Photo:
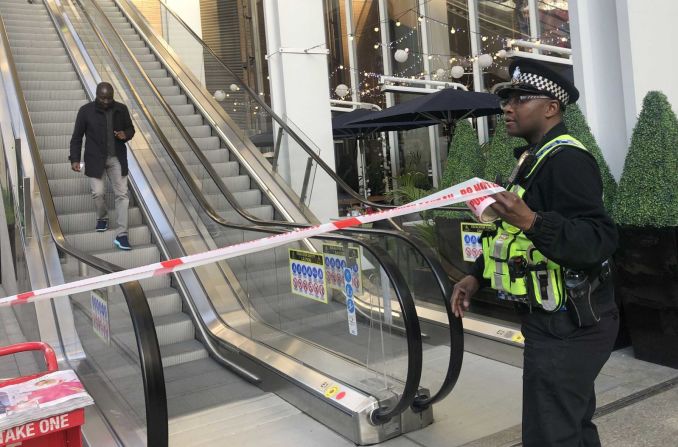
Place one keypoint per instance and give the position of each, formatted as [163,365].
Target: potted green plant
[578,127]
[499,158]
[464,161]
[646,209]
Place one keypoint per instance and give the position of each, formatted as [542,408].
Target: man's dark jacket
[576,231]
[91,122]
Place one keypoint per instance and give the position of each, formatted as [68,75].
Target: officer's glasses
[519,99]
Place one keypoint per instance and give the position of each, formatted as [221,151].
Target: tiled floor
[483,411]
[622,376]
[10,333]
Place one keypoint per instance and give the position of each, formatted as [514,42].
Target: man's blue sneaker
[102,225]
[122,242]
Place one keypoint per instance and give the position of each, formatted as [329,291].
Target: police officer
[550,255]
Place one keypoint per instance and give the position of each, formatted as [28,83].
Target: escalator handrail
[140,313]
[402,291]
[442,280]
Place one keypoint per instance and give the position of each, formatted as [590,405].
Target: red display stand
[54,431]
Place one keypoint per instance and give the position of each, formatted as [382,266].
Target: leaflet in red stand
[52,394]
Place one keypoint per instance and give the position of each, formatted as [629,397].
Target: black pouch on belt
[580,305]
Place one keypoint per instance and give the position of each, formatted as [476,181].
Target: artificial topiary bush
[499,158]
[464,160]
[648,190]
[576,124]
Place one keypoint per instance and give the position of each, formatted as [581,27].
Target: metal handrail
[455,324]
[140,313]
[403,294]
[281,122]
[441,277]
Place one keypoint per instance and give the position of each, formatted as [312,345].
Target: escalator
[172,302]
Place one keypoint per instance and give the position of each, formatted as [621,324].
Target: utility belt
[579,288]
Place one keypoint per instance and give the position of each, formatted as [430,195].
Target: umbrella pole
[363,168]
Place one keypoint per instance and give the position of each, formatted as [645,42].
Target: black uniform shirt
[110,136]
[575,230]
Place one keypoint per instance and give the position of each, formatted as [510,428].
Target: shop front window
[460,42]
[337,42]
[554,23]
[499,21]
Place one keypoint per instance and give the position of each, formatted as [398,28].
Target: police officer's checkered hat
[533,77]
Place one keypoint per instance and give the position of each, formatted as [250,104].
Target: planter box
[647,265]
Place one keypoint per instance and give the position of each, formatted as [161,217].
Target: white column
[621,50]
[598,74]
[352,56]
[647,46]
[390,98]
[435,40]
[300,93]
[535,30]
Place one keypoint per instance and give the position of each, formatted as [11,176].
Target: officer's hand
[462,294]
[513,209]
[120,134]
[75,165]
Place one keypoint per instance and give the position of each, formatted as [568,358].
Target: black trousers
[561,362]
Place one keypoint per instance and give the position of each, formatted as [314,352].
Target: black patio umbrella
[443,107]
[350,124]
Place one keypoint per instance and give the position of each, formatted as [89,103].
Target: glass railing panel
[111,370]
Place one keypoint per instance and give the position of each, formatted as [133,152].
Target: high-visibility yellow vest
[542,284]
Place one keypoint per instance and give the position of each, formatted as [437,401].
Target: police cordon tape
[462,192]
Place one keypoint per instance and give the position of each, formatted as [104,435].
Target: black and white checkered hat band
[543,84]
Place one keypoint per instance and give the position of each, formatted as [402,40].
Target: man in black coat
[561,214]
[107,126]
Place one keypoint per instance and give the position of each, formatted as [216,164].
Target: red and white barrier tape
[462,192]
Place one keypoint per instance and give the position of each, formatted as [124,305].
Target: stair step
[93,241]
[174,328]
[138,256]
[235,184]
[36,51]
[186,109]
[164,301]
[55,106]
[54,117]
[47,76]
[86,221]
[71,95]
[42,60]
[54,129]
[228,169]
[199,131]
[191,120]
[48,85]
[82,203]
[170,90]
[23,67]
[178,353]
[210,144]
[25,42]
